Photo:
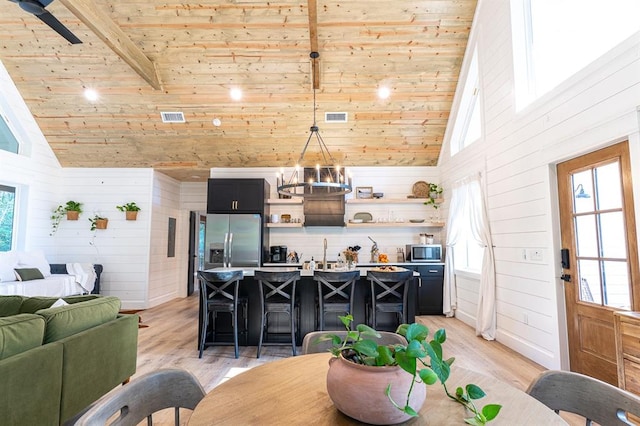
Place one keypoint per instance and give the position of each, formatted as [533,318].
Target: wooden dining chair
[311,345]
[593,399]
[148,394]
[335,293]
[219,293]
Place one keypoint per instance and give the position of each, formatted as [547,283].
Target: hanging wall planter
[98,222]
[73,209]
[131,210]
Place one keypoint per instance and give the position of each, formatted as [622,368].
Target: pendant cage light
[328,179]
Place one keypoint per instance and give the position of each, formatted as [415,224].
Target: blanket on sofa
[84,274]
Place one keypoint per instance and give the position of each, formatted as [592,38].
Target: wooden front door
[599,233]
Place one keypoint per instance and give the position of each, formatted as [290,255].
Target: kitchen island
[306,297]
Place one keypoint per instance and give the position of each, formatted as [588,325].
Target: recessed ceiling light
[217,122]
[91,95]
[236,94]
[384,92]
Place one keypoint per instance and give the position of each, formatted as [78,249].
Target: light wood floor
[170,341]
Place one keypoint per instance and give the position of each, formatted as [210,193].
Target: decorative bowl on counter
[378,194]
[416,220]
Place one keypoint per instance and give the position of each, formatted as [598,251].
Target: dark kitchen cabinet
[237,195]
[430,290]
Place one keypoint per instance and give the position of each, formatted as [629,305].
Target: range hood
[322,211]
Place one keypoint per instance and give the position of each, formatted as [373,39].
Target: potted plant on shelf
[98,222]
[131,210]
[393,375]
[435,191]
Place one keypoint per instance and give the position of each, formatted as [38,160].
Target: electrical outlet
[535,255]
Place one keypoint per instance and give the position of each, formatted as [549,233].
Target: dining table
[293,391]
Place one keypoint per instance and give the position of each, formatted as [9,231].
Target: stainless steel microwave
[424,252]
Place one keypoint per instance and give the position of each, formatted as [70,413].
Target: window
[467,127]
[552,40]
[468,253]
[7,214]
[8,141]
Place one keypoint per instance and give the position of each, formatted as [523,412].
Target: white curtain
[468,215]
[454,231]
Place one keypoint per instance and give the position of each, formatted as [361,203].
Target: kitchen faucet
[324,256]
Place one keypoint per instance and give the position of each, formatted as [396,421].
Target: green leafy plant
[434,189]
[60,211]
[129,207]
[94,221]
[73,206]
[57,215]
[420,357]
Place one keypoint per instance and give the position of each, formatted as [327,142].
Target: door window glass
[601,236]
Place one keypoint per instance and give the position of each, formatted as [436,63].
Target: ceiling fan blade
[57,26]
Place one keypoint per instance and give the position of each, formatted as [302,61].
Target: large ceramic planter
[359,391]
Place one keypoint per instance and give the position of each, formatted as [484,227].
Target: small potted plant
[435,191]
[73,209]
[98,222]
[420,361]
[131,210]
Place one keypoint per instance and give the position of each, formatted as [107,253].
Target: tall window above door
[8,140]
[552,40]
[468,125]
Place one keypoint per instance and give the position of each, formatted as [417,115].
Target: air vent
[172,117]
[335,117]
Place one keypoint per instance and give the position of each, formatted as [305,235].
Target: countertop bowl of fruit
[383,258]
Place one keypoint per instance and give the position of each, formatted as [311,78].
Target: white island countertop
[249,272]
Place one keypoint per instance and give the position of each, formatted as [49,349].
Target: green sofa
[55,362]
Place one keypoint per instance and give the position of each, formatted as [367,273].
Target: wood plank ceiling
[200,51]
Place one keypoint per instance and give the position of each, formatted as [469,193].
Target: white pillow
[58,303]
[34,259]
[8,261]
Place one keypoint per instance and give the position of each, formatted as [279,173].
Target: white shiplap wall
[122,248]
[167,275]
[36,172]
[394,182]
[517,158]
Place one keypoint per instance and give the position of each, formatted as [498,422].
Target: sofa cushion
[32,304]
[34,259]
[19,333]
[8,261]
[31,386]
[10,305]
[76,317]
[28,274]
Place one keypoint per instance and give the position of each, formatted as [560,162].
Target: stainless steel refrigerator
[233,240]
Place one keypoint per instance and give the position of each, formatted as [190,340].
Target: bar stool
[277,294]
[335,292]
[219,293]
[388,294]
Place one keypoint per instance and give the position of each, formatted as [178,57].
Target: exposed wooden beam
[109,32]
[313,38]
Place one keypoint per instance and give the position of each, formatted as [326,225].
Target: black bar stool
[335,292]
[277,294]
[388,294]
[219,293]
